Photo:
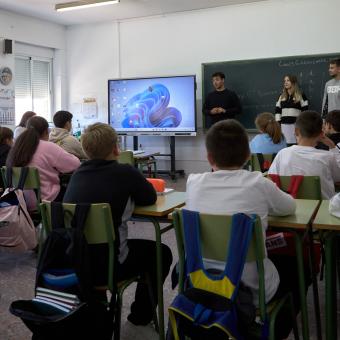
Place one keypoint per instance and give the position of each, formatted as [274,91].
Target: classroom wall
[37,33]
[179,43]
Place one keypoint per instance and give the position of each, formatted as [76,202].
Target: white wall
[180,43]
[37,33]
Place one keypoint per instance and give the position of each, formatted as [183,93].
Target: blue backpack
[206,309]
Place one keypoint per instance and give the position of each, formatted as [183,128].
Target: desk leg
[158,234]
[302,290]
[312,264]
[331,300]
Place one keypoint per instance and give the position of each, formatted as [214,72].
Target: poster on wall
[89,108]
[7,97]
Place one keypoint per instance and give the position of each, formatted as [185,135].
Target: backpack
[207,307]
[65,306]
[17,231]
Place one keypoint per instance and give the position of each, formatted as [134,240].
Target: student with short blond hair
[102,179]
[271,139]
[99,140]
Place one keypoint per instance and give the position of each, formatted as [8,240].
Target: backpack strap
[265,164]
[260,158]
[9,174]
[57,215]
[22,178]
[241,235]
[80,215]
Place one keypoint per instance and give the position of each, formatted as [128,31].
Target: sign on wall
[7,97]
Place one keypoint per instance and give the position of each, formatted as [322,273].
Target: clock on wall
[5,75]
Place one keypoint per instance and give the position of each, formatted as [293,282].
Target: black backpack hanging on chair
[65,306]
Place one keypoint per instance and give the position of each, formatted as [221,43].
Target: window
[32,87]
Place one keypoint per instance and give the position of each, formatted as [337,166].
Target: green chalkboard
[258,83]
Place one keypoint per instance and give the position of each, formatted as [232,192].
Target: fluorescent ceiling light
[69,6]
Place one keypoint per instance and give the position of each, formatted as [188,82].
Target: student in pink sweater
[33,149]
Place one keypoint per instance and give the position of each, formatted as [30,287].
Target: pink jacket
[50,159]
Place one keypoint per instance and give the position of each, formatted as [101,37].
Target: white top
[18,131]
[308,161]
[334,205]
[229,192]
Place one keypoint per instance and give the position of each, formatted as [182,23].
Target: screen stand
[173,171]
[135,142]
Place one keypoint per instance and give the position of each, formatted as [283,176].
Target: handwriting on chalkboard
[297,62]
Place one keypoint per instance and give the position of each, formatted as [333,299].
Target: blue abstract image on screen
[149,109]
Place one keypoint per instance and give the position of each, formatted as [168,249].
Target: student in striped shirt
[290,104]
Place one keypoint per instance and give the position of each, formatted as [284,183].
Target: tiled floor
[17,274]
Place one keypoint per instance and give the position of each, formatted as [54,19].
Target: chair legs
[287,299]
[119,304]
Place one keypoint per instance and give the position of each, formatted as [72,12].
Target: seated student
[33,149]
[271,139]
[230,189]
[304,159]
[331,128]
[22,125]
[6,142]
[103,179]
[61,134]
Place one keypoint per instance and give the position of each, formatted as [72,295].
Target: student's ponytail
[266,123]
[23,149]
[27,143]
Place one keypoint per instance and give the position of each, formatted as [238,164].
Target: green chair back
[215,235]
[98,228]
[310,187]
[254,161]
[32,180]
[126,157]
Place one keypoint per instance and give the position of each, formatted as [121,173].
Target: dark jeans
[141,260]
[287,268]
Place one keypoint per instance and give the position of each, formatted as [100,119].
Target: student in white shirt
[334,205]
[305,159]
[230,189]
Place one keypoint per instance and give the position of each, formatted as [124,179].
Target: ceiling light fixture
[69,6]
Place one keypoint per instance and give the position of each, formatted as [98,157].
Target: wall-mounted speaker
[8,46]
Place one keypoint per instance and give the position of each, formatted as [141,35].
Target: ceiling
[126,9]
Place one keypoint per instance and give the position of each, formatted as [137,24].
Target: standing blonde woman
[290,104]
[270,140]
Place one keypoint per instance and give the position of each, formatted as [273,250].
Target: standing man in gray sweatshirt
[331,97]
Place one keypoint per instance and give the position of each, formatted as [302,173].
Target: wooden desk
[164,205]
[157,213]
[305,209]
[301,221]
[145,155]
[329,226]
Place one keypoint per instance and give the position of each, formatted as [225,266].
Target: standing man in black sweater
[222,103]
[103,180]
